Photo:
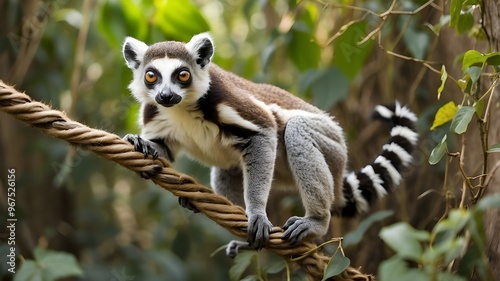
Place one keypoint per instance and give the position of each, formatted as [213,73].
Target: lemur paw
[259,228]
[142,145]
[234,247]
[145,147]
[186,203]
[299,228]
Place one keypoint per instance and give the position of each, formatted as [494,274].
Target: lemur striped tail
[384,174]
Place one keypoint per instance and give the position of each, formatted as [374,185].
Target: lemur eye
[184,76]
[150,77]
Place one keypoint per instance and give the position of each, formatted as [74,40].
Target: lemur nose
[168,99]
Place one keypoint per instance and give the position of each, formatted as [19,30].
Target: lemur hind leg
[306,142]
[230,184]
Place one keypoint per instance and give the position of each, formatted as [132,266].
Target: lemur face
[169,73]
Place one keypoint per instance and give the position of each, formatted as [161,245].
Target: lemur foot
[299,228]
[144,146]
[186,203]
[259,228]
[235,246]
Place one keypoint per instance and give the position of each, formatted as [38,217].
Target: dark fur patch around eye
[175,75]
[158,78]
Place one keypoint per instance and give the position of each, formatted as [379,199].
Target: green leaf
[467,264]
[493,59]
[438,152]
[417,42]
[337,264]
[479,105]
[307,79]
[355,237]
[444,76]
[447,229]
[472,57]
[251,278]
[462,119]
[475,262]
[462,83]
[120,18]
[304,53]
[392,269]
[29,271]
[475,225]
[465,23]
[396,269]
[241,263]
[444,114]
[329,88]
[462,20]
[489,202]
[455,10]
[453,249]
[277,267]
[301,46]
[48,266]
[179,19]
[404,240]
[474,72]
[57,265]
[494,148]
[349,56]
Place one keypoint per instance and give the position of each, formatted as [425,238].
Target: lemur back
[256,137]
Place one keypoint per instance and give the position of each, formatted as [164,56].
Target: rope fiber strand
[110,146]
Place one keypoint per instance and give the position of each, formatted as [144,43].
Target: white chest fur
[190,132]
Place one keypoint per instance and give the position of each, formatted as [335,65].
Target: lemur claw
[186,203]
[299,228]
[259,228]
[142,145]
[293,230]
[234,247]
[146,148]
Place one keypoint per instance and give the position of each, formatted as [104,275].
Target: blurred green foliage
[121,227]
[443,247]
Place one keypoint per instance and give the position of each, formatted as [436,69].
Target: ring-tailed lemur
[256,136]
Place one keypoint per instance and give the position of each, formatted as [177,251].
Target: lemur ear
[202,47]
[133,52]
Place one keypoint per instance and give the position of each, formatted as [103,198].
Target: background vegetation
[82,218]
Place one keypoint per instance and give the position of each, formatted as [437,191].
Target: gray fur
[258,170]
[234,247]
[228,182]
[317,162]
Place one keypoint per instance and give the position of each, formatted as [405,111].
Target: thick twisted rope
[218,208]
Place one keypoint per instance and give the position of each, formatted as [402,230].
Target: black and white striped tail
[383,175]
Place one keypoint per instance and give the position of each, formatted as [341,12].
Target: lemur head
[169,73]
